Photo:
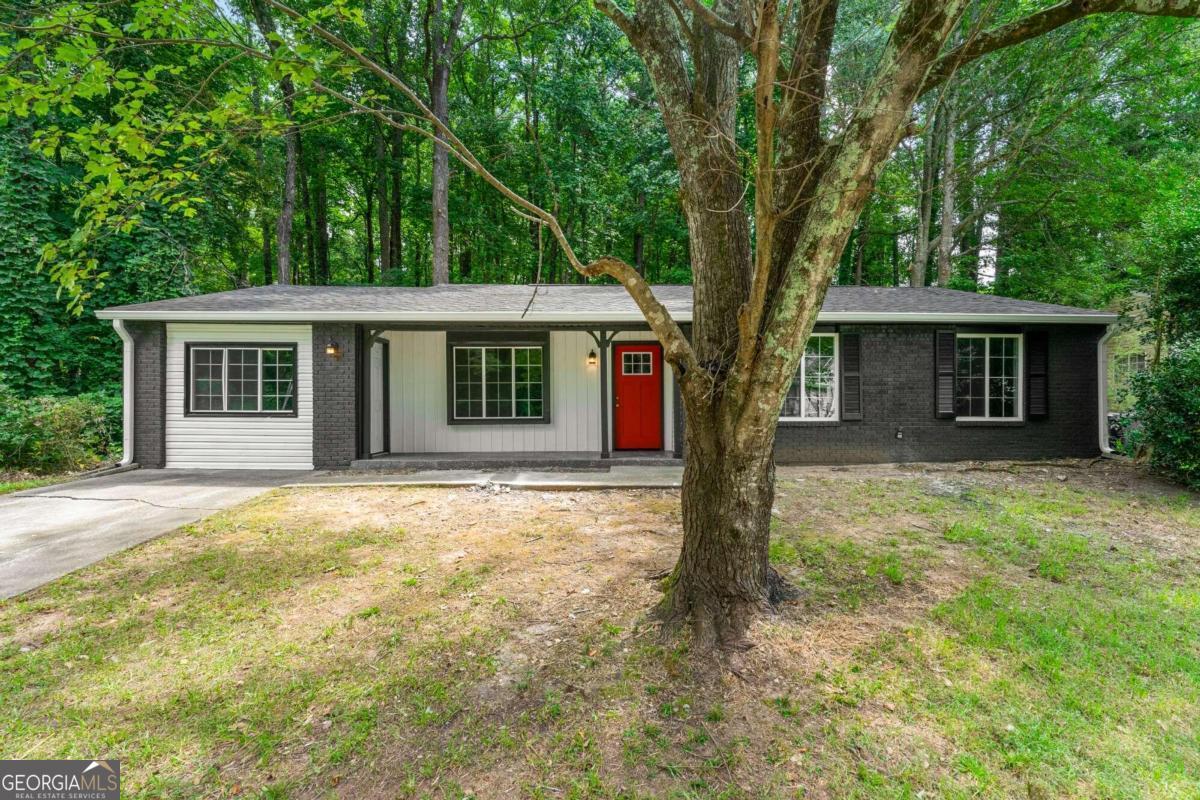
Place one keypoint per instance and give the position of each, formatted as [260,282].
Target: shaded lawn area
[961,633]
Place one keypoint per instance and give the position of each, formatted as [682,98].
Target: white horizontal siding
[217,442]
[418,402]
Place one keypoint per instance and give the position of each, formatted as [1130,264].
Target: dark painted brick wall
[898,392]
[335,382]
[149,393]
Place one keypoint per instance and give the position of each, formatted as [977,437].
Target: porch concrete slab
[640,477]
[50,531]
[551,461]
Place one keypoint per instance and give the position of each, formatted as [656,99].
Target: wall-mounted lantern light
[592,358]
[332,349]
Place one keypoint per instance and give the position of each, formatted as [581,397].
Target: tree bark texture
[721,580]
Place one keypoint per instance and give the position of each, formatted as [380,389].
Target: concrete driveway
[48,532]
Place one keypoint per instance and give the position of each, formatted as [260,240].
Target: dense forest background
[1064,170]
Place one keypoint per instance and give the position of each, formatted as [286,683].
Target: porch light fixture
[332,349]
[592,358]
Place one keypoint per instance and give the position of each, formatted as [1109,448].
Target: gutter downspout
[1102,384]
[126,394]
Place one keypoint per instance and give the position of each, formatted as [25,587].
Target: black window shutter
[851,351]
[944,359]
[1037,367]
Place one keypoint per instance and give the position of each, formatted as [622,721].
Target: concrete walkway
[48,532]
[612,478]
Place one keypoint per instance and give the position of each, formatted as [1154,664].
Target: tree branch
[619,18]
[676,348]
[766,52]
[714,21]
[847,173]
[1043,22]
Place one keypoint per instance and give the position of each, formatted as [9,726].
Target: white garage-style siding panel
[220,442]
[418,401]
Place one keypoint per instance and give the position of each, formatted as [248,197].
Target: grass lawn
[1031,633]
[10,483]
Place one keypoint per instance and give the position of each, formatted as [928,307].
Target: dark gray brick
[335,384]
[898,394]
[149,393]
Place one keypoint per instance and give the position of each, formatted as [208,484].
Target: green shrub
[57,434]
[1168,413]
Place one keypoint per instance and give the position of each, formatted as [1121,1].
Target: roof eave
[366,316]
[972,318]
[1097,318]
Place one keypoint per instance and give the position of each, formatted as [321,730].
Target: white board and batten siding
[242,442]
[418,405]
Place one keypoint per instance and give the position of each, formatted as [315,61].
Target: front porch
[501,397]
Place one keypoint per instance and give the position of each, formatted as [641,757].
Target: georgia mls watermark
[60,780]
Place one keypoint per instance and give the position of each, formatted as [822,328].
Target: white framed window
[637,363]
[505,382]
[987,376]
[241,379]
[814,391]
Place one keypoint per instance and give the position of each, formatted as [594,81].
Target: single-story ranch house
[304,377]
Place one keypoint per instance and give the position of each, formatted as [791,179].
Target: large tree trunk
[723,577]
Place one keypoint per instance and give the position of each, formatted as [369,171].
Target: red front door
[637,397]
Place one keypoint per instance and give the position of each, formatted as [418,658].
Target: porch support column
[603,339]
[362,353]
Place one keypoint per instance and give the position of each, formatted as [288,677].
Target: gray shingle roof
[565,303]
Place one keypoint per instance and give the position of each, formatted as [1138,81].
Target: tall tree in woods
[291,139]
[441,38]
[781,118]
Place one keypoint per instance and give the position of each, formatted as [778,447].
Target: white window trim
[483,382]
[987,375]
[649,363]
[224,409]
[837,380]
